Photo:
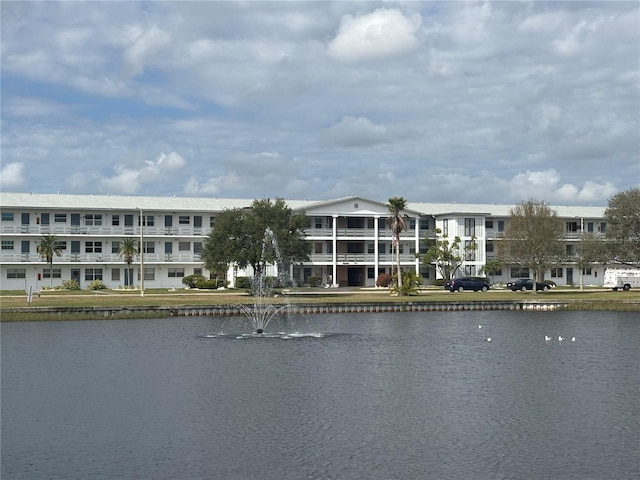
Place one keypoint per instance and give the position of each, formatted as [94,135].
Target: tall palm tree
[47,247]
[397,223]
[128,249]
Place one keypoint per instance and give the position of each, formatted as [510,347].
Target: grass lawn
[154,297]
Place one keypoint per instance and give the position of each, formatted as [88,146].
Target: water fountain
[263,309]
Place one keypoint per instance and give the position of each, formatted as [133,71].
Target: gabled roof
[352,206]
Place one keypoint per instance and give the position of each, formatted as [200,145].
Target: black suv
[467,283]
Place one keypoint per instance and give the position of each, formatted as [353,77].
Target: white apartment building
[351,243]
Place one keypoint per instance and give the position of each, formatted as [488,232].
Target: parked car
[467,283]
[527,284]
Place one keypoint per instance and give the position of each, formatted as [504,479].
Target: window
[590,227]
[147,220]
[91,274]
[115,220]
[488,224]
[197,271]
[93,247]
[329,247]
[46,273]
[469,227]
[184,246]
[44,219]
[175,272]
[75,246]
[318,247]
[603,227]
[501,225]
[7,216]
[519,272]
[572,227]
[489,247]
[370,222]
[7,244]
[371,272]
[149,273]
[93,219]
[470,270]
[556,273]
[382,248]
[149,247]
[115,274]
[184,220]
[197,221]
[197,247]
[586,271]
[60,218]
[16,272]
[61,244]
[570,250]
[445,227]
[424,224]
[115,246]
[469,254]
[370,248]
[212,221]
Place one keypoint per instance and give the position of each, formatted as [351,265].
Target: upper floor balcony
[67,257]
[104,230]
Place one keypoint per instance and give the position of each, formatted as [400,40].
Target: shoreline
[19,314]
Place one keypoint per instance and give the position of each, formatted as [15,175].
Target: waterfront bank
[310,308]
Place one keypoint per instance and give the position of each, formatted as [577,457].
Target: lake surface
[357,396]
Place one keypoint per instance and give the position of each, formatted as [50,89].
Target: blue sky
[470,102]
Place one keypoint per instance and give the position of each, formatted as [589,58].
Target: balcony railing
[6,257]
[104,230]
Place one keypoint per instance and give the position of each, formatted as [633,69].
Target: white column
[376,250]
[334,260]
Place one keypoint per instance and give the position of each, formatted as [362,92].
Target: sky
[468,102]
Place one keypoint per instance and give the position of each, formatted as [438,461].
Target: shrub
[96,285]
[314,281]
[243,282]
[439,282]
[208,284]
[383,280]
[70,285]
[193,281]
[411,281]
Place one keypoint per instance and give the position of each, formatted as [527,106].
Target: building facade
[351,243]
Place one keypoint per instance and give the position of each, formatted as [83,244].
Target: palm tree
[47,247]
[128,249]
[397,223]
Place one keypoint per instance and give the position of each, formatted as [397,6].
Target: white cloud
[381,34]
[12,176]
[129,180]
[144,47]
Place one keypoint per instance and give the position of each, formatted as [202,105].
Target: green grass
[589,299]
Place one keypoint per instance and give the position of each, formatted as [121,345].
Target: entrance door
[75,275]
[355,276]
[569,276]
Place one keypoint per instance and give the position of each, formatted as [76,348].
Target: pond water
[358,396]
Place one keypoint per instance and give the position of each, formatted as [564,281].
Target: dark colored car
[527,284]
[467,283]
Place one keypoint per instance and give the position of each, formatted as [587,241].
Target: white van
[624,278]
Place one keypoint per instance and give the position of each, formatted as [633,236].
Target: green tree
[128,249]
[623,227]
[491,268]
[397,222]
[533,238]
[264,234]
[447,255]
[47,248]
